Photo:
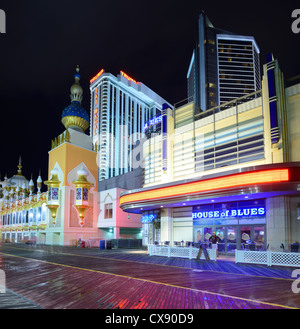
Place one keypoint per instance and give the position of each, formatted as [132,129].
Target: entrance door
[207,232]
[259,237]
[220,232]
[231,239]
[246,237]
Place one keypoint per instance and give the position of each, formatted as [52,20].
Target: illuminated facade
[75,207]
[120,106]
[224,66]
[22,212]
[234,170]
[69,209]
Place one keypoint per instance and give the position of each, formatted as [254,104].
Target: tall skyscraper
[224,66]
[120,107]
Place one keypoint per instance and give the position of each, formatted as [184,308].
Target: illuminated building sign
[96,76]
[96,112]
[96,122]
[272,99]
[245,212]
[127,77]
[154,121]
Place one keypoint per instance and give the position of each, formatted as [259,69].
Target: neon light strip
[233,181]
[127,77]
[96,76]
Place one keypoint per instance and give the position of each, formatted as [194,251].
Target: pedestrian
[214,242]
[202,248]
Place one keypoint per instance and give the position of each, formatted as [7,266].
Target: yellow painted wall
[69,156]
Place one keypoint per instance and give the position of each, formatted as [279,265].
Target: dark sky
[152,41]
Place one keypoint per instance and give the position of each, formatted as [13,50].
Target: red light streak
[231,181]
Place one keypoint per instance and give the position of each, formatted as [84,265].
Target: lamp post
[82,186]
[53,189]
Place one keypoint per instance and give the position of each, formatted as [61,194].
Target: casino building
[87,172]
[120,107]
[234,169]
[224,66]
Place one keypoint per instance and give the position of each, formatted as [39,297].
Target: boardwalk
[11,300]
[57,278]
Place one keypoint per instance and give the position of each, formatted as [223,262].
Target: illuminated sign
[96,121]
[245,179]
[96,112]
[147,218]
[245,212]
[152,122]
[127,77]
[96,76]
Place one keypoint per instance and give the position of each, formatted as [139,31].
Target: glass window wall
[239,224]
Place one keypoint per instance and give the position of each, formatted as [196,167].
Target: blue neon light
[272,97]
[147,218]
[152,122]
[245,212]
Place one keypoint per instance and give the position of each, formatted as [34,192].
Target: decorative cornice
[75,121]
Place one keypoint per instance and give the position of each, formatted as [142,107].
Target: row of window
[35,215]
[121,116]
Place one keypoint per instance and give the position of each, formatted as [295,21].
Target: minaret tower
[71,151]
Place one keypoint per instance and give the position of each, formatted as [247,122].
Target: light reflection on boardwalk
[58,280]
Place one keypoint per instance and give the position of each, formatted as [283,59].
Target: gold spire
[74,116]
[76,90]
[19,167]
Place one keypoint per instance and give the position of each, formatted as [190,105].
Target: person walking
[202,248]
[214,242]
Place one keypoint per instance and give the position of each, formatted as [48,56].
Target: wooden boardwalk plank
[83,283]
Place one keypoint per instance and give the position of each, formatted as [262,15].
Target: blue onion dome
[74,116]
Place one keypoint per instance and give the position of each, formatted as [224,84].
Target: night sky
[152,41]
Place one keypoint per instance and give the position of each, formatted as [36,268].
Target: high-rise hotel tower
[224,66]
[120,107]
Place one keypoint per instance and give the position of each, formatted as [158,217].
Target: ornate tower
[72,151]
[74,116]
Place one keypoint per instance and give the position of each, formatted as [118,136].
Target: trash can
[102,244]
[108,244]
[295,247]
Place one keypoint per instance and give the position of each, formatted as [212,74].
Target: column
[116,232]
[278,222]
[166,225]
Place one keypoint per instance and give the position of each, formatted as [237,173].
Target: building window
[108,210]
